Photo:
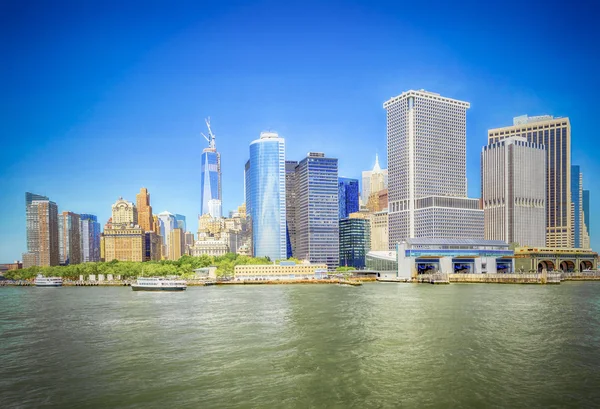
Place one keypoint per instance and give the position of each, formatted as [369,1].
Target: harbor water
[302,346]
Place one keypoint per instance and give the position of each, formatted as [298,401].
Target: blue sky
[101,98]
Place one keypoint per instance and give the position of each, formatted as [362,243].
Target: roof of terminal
[460,242]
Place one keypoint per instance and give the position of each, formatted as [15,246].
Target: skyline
[105,121]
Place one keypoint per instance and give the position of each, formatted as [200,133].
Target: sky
[98,99]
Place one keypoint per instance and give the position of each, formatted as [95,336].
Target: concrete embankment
[343,282]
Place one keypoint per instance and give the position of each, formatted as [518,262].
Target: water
[302,346]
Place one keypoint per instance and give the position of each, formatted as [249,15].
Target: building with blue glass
[90,238]
[586,213]
[317,210]
[210,178]
[180,222]
[347,197]
[265,196]
[355,239]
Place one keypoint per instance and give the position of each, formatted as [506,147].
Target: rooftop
[426,241]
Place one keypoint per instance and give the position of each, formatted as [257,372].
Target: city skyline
[44,159]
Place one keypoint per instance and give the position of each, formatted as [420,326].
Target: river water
[302,346]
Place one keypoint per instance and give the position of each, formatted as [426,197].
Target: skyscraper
[215,208]
[355,240]
[317,210]
[586,217]
[555,135]
[123,239]
[265,196]
[580,231]
[176,244]
[69,238]
[366,181]
[90,238]
[210,172]
[42,231]
[124,213]
[180,222]
[144,210]
[347,197]
[290,205]
[513,191]
[427,186]
[168,223]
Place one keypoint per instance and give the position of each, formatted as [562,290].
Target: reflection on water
[379,345]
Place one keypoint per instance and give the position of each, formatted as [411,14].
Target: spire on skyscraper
[376,168]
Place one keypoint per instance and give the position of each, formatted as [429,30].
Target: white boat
[41,281]
[158,284]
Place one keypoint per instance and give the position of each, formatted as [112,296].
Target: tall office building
[176,244]
[580,231]
[317,210]
[124,213]
[180,222]
[380,231]
[586,218]
[355,240]
[90,238]
[427,187]
[555,135]
[265,196]
[167,225]
[210,172]
[156,224]
[347,197]
[513,191]
[42,231]
[290,206]
[144,210]
[366,181]
[69,238]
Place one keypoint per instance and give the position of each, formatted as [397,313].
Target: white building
[214,208]
[427,183]
[167,224]
[209,247]
[367,175]
[513,191]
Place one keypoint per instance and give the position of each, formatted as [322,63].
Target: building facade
[581,237]
[286,270]
[555,135]
[167,225]
[153,251]
[69,238]
[42,231]
[317,210]
[355,241]
[176,244]
[380,231]
[144,210]
[266,196]
[180,222]
[90,238]
[366,181]
[348,197]
[513,191]
[124,213]
[290,206]
[124,243]
[210,247]
[586,218]
[427,185]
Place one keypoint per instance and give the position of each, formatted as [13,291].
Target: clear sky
[101,98]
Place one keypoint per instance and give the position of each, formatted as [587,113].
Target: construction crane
[211,136]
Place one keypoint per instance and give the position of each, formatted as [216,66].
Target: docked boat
[41,281]
[158,284]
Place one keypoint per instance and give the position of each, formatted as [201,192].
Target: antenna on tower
[211,136]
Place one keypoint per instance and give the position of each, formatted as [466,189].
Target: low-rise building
[210,247]
[285,270]
[453,256]
[550,259]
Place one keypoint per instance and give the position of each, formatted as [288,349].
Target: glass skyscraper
[180,222]
[210,174]
[317,210]
[265,196]
[347,197]
[577,198]
[90,238]
[355,239]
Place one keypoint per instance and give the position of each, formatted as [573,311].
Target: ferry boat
[41,281]
[158,284]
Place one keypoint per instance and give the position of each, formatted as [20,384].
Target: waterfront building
[144,210]
[385,263]
[290,206]
[317,210]
[555,135]
[285,270]
[124,243]
[124,213]
[154,247]
[347,197]
[90,238]
[17,265]
[42,231]
[69,238]
[180,222]
[210,173]
[380,231]
[366,180]
[168,223]
[427,188]
[355,240]
[586,218]
[550,259]
[176,244]
[210,246]
[513,191]
[453,256]
[265,196]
